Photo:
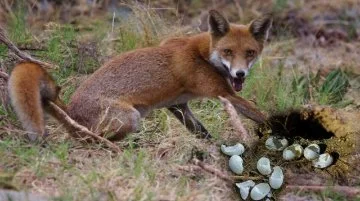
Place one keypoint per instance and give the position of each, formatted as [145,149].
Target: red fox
[128,87]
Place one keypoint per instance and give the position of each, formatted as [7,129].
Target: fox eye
[228,52]
[250,53]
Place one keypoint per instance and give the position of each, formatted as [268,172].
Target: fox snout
[241,73]
[238,72]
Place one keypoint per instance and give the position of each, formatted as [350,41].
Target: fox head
[235,48]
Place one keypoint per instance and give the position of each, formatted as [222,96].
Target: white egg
[237,149]
[244,188]
[292,152]
[263,166]
[276,143]
[236,164]
[276,178]
[260,191]
[312,152]
[324,161]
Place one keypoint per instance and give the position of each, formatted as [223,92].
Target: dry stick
[235,120]
[347,190]
[81,128]
[213,170]
[4,75]
[18,52]
[232,179]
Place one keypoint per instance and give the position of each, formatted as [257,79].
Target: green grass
[277,90]
[17,28]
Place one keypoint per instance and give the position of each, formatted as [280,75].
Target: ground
[298,69]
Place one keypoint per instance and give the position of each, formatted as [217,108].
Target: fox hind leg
[120,119]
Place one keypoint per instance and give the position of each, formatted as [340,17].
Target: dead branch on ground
[199,165]
[22,55]
[4,76]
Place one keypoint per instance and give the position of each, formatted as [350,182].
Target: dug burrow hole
[292,124]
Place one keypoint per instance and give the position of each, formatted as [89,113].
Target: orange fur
[129,86]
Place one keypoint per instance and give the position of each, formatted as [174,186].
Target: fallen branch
[212,170]
[4,76]
[22,55]
[201,165]
[235,120]
[347,190]
[81,128]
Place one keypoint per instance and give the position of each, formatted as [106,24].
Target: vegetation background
[311,58]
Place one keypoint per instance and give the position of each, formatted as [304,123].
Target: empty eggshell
[312,152]
[276,178]
[237,149]
[236,164]
[244,188]
[263,166]
[259,191]
[276,143]
[292,152]
[324,160]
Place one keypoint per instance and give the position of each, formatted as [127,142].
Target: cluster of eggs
[258,191]
[295,151]
[275,175]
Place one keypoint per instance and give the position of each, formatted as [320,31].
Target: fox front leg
[244,107]
[183,113]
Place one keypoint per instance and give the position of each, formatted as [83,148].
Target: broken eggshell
[324,161]
[237,149]
[292,152]
[312,152]
[259,191]
[276,178]
[276,143]
[244,188]
[236,164]
[263,166]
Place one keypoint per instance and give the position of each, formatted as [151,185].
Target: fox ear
[260,27]
[218,25]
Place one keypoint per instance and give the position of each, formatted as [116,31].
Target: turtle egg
[244,188]
[276,143]
[276,178]
[292,152]
[263,166]
[324,160]
[236,164]
[260,191]
[237,149]
[312,152]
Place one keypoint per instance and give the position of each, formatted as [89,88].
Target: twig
[212,170]
[235,120]
[4,75]
[18,52]
[347,190]
[81,128]
[192,168]
[243,177]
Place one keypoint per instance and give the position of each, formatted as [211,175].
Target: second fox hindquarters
[128,87]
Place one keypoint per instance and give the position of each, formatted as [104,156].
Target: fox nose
[240,74]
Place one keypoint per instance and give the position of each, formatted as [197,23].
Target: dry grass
[65,169]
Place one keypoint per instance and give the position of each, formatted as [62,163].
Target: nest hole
[298,124]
